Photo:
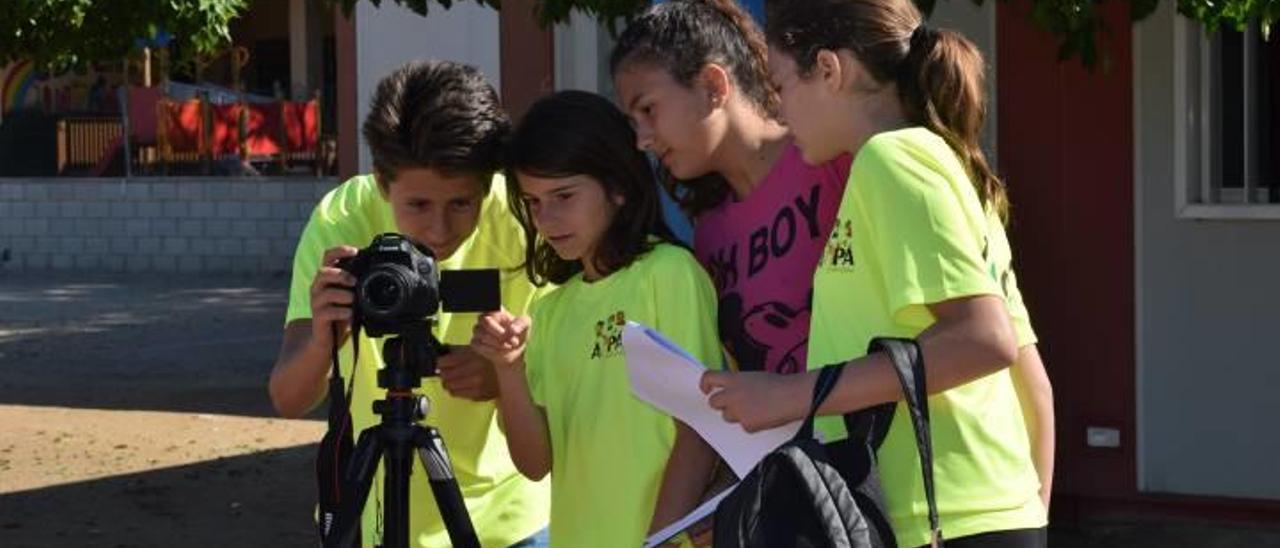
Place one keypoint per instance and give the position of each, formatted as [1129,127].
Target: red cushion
[302,125]
[183,125]
[262,128]
[226,129]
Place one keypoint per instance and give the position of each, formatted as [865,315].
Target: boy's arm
[686,477]
[1035,394]
[297,381]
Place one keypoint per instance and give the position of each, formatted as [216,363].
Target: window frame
[1197,194]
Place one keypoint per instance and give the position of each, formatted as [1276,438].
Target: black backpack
[805,494]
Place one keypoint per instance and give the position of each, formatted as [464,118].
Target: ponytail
[755,69]
[941,87]
[939,74]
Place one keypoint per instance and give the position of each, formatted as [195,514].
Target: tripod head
[410,355]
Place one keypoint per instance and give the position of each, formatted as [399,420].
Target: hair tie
[922,42]
[923,38]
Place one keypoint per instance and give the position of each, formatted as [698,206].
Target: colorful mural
[16,81]
[91,90]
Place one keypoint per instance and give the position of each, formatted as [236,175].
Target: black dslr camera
[398,285]
[399,289]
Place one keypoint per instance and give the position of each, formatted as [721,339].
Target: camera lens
[385,290]
[383,294]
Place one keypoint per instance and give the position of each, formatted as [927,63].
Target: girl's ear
[842,71]
[618,199]
[831,69]
[714,81]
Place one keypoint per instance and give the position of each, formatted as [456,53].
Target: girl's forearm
[685,479]
[971,339]
[1035,395]
[525,426]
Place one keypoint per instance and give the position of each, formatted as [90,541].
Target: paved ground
[133,412]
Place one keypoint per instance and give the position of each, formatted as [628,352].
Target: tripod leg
[399,465]
[444,486]
[358,479]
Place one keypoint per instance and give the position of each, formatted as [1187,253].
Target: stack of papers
[668,377]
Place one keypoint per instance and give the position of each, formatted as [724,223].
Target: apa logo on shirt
[609,336]
[839,252]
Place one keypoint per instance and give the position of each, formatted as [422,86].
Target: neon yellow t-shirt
[505,507]
[911,231]
[609,449]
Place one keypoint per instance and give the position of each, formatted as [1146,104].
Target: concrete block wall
[232,225]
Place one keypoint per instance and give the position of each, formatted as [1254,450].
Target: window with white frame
[1231,144]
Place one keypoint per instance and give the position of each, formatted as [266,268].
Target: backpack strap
[827,377]
[908,363]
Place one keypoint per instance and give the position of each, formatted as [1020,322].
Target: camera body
[399,285]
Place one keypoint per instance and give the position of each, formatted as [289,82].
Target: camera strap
[337,445]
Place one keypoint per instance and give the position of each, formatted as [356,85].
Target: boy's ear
[714,81]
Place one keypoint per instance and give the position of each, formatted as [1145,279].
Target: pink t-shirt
[762,253]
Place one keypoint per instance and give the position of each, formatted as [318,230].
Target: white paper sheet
[667,377]
[703,510]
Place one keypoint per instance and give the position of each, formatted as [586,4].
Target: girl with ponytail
[692,76]
[919,251]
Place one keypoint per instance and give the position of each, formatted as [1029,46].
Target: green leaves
[62,34]
[67,33]
[1234,14]
[1082,31]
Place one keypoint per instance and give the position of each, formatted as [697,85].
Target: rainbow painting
[16,81]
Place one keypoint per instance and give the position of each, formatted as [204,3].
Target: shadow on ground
[145,342]
[248,507]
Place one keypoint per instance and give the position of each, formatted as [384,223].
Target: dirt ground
[133,412]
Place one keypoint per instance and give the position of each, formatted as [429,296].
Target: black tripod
[409,356]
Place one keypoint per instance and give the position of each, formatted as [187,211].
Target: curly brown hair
[683,36]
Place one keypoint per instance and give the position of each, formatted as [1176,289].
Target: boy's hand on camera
[464,373]
[332,296]
[500,337]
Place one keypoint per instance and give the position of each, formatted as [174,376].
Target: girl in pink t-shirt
[692,77]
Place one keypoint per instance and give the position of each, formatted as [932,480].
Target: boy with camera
[435,132]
